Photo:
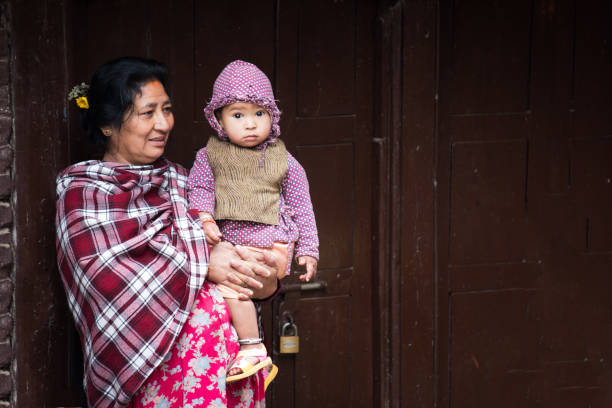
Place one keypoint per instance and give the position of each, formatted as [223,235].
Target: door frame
[405,269]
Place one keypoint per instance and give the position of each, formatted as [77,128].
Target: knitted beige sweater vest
[244,190]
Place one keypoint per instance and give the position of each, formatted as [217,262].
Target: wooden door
[324,82]
[319,57]
[523,199]
[489,266]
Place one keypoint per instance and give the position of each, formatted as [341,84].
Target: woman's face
[145,129]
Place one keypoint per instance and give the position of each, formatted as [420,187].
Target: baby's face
[245,123]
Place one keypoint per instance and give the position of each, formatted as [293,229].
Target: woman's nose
[162,122]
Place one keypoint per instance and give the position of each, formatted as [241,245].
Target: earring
[107,132]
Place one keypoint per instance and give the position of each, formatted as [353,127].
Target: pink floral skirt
[193,373]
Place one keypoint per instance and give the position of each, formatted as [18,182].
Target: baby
[249,190]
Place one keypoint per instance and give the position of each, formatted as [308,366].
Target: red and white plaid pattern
[132,260]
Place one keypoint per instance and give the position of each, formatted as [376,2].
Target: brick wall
[6,213]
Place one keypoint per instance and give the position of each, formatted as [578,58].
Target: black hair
[112,90]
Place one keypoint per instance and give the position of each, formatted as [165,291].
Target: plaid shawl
[132,261]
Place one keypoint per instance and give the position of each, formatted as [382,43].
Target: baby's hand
[213,235]
[311,267]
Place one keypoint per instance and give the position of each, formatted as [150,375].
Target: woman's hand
[222,271]
[264,266]
[250,274]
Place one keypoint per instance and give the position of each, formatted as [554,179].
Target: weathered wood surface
[460,162]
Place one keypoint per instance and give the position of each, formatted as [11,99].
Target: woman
[135,264]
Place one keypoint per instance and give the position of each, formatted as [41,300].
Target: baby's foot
[235,369]
[250,359]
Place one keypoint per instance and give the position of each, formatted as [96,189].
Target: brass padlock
[289,344]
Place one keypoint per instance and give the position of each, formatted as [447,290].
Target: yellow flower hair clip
[82,102]
[79,93]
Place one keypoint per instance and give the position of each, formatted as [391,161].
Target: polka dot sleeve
[297,196]
[201,185]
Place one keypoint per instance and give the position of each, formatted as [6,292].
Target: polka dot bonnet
[241,81]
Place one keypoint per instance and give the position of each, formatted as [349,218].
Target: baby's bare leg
[244,319]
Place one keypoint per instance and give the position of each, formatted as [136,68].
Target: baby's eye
[260,113]
[237,115]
